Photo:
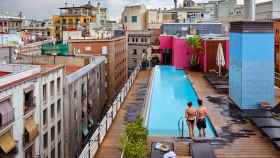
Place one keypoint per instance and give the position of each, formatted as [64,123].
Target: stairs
[181,149]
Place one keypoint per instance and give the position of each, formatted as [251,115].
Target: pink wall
[165,43]
[181,53]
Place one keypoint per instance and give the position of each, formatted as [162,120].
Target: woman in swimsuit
[190,116]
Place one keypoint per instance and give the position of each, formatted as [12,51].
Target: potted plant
[195,43]
[133,142]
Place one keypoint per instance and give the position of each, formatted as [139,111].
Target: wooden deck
[253,146]
[110,147]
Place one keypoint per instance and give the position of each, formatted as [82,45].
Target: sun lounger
[202,150]
[157,153]
[266,122]
[272,133]
[257,113]
[277,144]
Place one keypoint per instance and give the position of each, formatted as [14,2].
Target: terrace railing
[97,138]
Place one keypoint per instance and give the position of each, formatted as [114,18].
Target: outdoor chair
[156,153]
[202,150]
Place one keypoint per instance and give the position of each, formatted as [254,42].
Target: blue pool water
[171,90]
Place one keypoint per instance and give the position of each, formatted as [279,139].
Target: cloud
[42,9]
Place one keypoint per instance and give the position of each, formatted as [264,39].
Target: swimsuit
[201,123]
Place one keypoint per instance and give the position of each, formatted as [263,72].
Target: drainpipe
[250,10]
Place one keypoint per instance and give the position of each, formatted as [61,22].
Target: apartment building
[77,17]
[51,111]
[85,98]
[19,111]
[134,17]
[10,23]
[139,44]
[210,10]
[115,51]
[43,28]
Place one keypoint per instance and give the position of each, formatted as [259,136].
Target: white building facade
[22,131]
[20,112]
[133,17]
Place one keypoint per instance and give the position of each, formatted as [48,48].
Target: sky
[44,9]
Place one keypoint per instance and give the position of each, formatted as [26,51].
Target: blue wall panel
[251,69]
[235,77]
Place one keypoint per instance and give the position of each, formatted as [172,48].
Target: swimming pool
[171,90]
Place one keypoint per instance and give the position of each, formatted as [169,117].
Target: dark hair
[199,101]
[189,103]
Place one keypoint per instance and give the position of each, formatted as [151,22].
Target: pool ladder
[181,126]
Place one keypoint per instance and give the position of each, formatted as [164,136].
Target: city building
[152,19]
[229,11]
[85,98]
[78,18]
[139,45]
[134,17]
[6,54]
[41,29]
[10,24]
[183,29]
[115,50]
[189,12]
[51,111]
[264,11]
[210,8]
[276,9]
[26,129]
[20,112]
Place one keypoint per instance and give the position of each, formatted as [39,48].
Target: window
[58,106]
[58,85]
[28,101]
[142,40]
[134,51]
[52,133]
[136,40]
[134,19]
[52,111]
[59,150]
[53,153]
[52,88]
[28,152]
[59,127]
[75,94]
[45,140]
[45,116]
[125,19]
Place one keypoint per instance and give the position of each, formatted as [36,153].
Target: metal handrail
[88,151]
[181,128]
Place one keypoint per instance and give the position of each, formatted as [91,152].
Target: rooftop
[13,74]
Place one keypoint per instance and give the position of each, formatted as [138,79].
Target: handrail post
[182,129]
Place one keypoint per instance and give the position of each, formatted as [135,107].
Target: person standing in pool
[201,116]
[190,115]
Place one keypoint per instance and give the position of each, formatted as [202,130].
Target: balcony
[30,132]
[29,105]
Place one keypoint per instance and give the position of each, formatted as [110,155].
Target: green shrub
[133,142]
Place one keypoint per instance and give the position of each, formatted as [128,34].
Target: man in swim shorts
[201,116]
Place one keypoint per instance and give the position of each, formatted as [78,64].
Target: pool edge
[146,112]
